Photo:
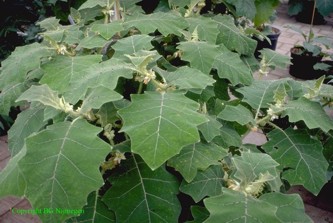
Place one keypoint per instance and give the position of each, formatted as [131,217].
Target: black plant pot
[306,14]
[261,44]
[302,64]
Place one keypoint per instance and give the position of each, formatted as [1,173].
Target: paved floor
[286,41]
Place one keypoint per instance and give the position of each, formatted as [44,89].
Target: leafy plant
[258,11]
[130,115]
[313,44]
[324,7]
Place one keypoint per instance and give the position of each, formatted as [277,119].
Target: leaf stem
[140,88]
[312,18]
[264,119]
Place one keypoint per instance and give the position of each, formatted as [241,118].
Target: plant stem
[117,9]
[312,18]
[140,88]
[264,119]
[106,18]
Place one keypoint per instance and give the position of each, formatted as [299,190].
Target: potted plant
[306,58]
[303,10]
[115,130]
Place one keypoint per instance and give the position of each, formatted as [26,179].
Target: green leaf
[95,211]
[42,94]
[239,114]
[8,96]
[104,74]
[12,181]
[230,66]
[232,37]
[181,4]
[91,42]
[57,157]
[199,214]
[108,112]
[274,59]
[73,35]
[301,154]
[265,9]
[26,123]
[54,35]
[15,70]
[207,183]
[245,8]
[210,129]
[310,112]
[295,8]
[201,55]
[325,7]
[206,28]
[107,30]
[131,45]
[97,97]
[51,23]
[233,206]
[228,137]
[142,195]
[261,93]
[290,207]
[167,122]
[63,69]
[188,78]
[165,23]
[250,166]
[198,156]
[93,3]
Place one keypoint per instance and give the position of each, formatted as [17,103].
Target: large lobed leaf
[290,207]
[232,37]
[239,114]
[206,183]
[142,195]
[132,44]
[201,55]
[250,166]
[13,76]
[61,158]
[310,112]
[27,123]
[265,9]
[12,181]
[261,93]
[165,23]
[301,154]
[245,8]
[95,211]
[233,206]
[231,67]
[198,156]
[160,124]
[206,28]
[210,129]
[104,74]
[107,30]
[63,69]
[188,78]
